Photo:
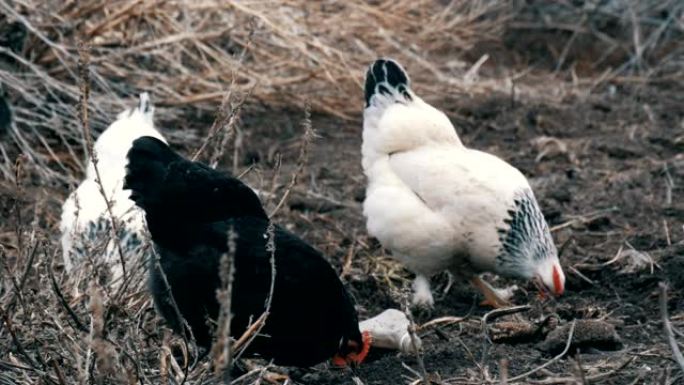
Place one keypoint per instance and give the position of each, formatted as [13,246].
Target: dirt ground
[606,163]
[608,182]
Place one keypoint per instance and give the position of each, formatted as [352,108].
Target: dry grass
[188,54]
[192,56]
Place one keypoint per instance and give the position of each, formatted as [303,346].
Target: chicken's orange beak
[357,355]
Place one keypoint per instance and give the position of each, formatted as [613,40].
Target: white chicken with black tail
[86,223]
[438,205]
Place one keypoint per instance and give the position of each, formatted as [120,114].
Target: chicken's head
[549,277]
[353,351]
[526,247]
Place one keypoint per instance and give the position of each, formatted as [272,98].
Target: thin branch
[503,371]
[580,369]
[594,378]
[676,353]
[55,287]
[15,285]
[15,339]
[551,361]
[416,347]
[18,168]
[228,114]
[84,86]
[496,313]
[415,344]
[23,352]
[221,350]
[303,157]
[187,334]
[252,332]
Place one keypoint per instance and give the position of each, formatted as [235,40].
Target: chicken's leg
[493,297]
[422,296]
[450,283]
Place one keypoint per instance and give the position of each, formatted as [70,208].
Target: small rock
[588,334]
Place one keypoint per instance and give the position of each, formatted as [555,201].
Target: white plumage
[86,223]
[438,205]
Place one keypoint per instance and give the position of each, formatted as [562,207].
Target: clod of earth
[514,332]
[588,334]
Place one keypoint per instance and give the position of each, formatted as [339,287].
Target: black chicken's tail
[387,79]
[5,115]
[148,162]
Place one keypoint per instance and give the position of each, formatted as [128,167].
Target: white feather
[435,202]
[85,219]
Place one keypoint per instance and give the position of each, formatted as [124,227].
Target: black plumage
[383,75]
[190,208]
[5,115]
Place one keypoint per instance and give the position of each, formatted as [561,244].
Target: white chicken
[86,222]
[437,205]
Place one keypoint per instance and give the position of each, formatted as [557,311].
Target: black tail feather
[148,161]
[385,75]
[5,115]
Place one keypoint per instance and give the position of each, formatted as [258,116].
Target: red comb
[356,358]
[557,285]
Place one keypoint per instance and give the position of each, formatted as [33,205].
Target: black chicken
[190,209]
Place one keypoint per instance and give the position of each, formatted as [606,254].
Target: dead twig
[423,374]
[585,218]
[65,304]
[84,86]
[16,340]
[187,334]
[496,313]
[17,296]
[252,332]
[221,350]
[580,370]
[346,265]
[448,320]
[303,157]
[676,353]
[18,170]
[503,371]
[589,379]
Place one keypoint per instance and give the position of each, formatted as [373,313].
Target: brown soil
[605,191]
[607,169]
